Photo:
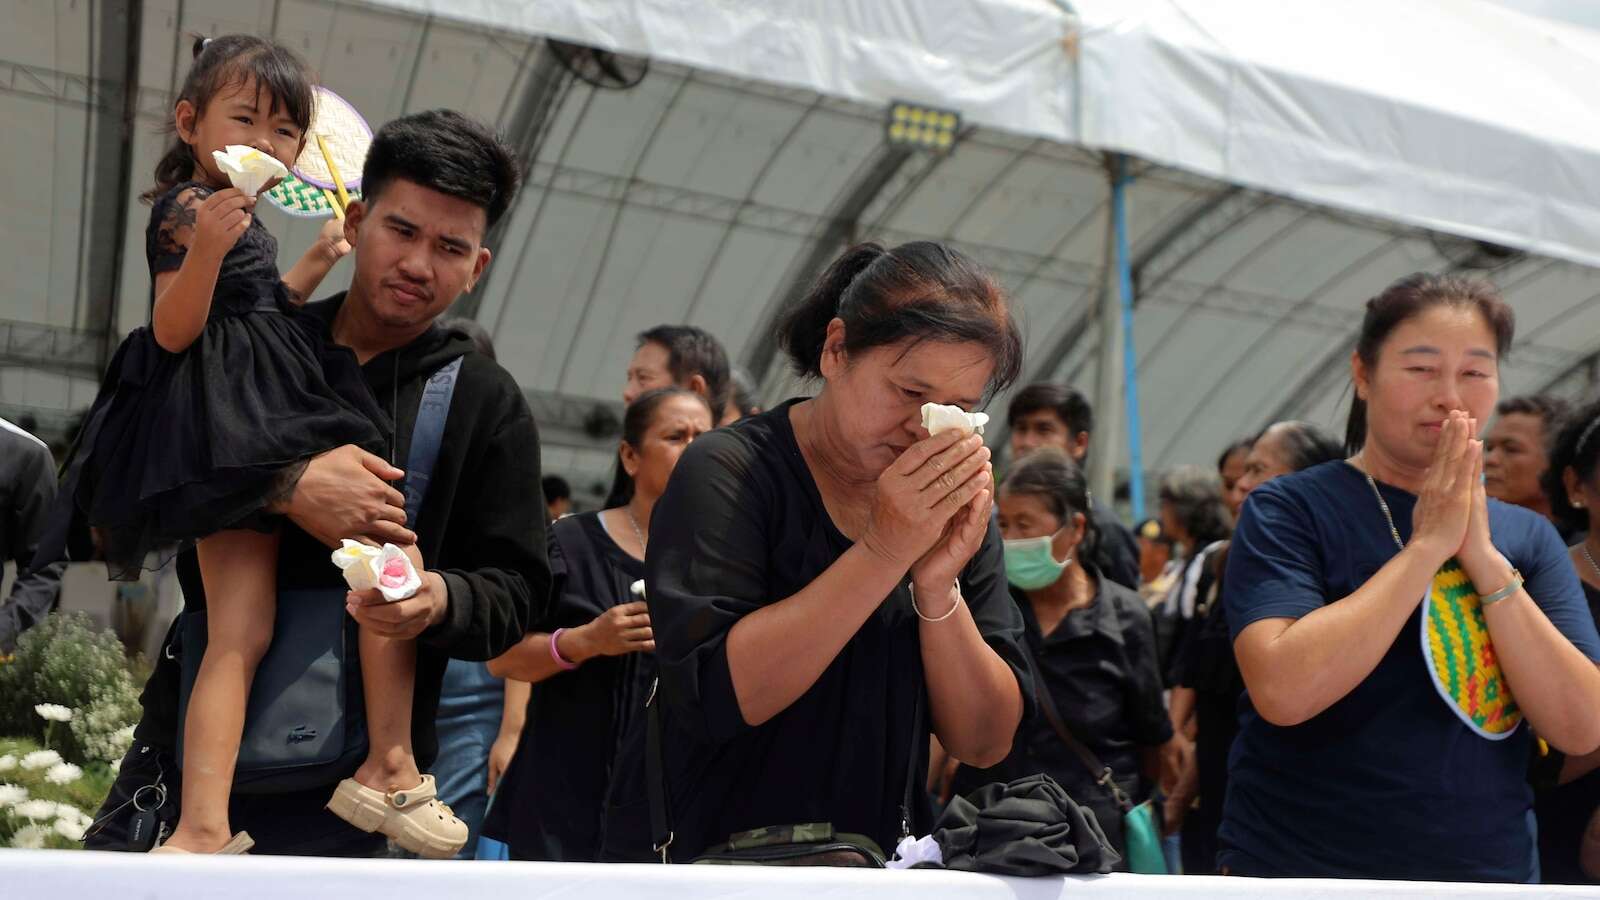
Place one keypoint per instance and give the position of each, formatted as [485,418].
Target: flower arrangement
[68,687]
[68,704]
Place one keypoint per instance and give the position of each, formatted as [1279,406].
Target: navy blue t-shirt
[1387,782]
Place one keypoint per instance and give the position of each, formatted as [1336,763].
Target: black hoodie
[482,524]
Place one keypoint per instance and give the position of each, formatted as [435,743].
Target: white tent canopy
[1455,115]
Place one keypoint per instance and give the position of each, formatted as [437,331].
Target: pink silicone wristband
[556,654]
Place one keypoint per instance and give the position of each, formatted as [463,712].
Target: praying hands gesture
[932,508]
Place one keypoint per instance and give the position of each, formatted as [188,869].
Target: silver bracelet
[918,610]
[1507,591]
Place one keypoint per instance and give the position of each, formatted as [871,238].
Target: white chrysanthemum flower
[35,809]
[8,762]
[54,712]
[63,773]
[70,829]
[67,811]
[29,837]
[116,766]
[125,734]
[40,759]
[12,794]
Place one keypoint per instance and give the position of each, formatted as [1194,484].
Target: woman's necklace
[637,531]
[1586,555]
[1361,467]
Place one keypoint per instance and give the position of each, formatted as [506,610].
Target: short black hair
[445,151]
[1068,403]
[1242,444]
[1551,411]
[693,351]
[555,488]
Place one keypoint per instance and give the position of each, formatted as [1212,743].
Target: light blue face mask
[1030,563]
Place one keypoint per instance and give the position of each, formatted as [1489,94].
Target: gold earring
[1577,504]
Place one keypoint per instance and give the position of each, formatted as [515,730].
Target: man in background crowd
[27,488]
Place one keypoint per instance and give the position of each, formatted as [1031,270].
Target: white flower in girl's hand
[637,589]
[247,168]
[388,570]
[53,712]
[937,417]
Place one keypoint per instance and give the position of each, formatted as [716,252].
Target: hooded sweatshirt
[481,524]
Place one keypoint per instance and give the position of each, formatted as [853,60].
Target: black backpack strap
[1101,773]
[919,739]
[661,833]
[427,435]
[655,776]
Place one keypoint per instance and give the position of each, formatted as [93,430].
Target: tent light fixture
[920,127]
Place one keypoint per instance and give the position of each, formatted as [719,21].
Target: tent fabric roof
[702,195]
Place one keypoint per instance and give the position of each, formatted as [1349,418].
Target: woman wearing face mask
[573,791]
[1092,644]
[1395,628]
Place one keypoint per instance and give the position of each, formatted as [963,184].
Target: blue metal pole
[1130,362]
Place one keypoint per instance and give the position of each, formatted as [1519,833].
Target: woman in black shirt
[1092,643]
[810,624]
[574,790]
[1569,811]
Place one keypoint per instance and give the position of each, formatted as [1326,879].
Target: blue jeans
[470,703]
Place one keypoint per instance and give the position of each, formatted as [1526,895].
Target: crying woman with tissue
[207,414]
[825,583]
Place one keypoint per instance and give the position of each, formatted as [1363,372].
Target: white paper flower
[35,809]
[53,712]
[7,762]
[637,589]
[937,418]
[40,759]
[388,570]
[12,794]
[63,773]
[247,168]
[29,837]
[912,851]
[397,577]
[355,559]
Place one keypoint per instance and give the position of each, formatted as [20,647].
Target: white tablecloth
[82,875]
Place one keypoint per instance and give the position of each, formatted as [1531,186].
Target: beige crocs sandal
[238,845]
[415,819]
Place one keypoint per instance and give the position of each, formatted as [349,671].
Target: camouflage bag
[813,844]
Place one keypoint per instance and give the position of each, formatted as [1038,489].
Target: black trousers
[285,824]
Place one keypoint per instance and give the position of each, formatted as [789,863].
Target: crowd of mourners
[1368,657]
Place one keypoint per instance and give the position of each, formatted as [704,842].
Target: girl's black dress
[178,446]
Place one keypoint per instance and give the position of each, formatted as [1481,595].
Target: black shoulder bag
[305,722]
[1141,832]
[811,844]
